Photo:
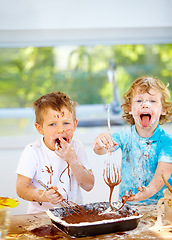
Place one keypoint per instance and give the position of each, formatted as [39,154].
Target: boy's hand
[53,195]
[103,143]
[66,151]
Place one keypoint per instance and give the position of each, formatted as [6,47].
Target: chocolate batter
[94,215]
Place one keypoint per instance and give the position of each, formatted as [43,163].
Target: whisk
[111,174]
[112,177]
[69,206]
[108,117]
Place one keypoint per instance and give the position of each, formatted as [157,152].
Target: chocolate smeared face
[56,125]
[146,109]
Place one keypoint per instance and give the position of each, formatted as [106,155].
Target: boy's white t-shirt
[40,163]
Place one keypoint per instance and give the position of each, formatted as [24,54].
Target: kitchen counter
[39,226]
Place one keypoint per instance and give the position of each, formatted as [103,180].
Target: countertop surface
[39,226]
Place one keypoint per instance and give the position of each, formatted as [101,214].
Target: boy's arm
[84,176]
[26,191]
[156,184]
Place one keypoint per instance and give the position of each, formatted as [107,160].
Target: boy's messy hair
[145,83]
[55,100]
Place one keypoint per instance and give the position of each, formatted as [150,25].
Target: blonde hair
[145,83]
[55,101]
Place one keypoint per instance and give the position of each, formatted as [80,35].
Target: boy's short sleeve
[27,164]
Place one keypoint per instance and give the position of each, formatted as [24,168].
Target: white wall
[53,22]
[66,14]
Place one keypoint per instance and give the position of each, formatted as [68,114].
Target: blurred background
[92,51]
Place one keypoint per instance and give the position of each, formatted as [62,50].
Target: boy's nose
[59,129]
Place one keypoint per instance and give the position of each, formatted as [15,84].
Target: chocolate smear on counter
[48,232]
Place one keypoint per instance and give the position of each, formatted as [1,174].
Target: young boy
[146,148]
[56,159]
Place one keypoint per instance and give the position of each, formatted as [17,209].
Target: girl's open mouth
[145,119]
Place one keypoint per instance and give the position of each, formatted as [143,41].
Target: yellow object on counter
[8,202]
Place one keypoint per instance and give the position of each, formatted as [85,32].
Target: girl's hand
[53,195]
[103,143]
[141,195]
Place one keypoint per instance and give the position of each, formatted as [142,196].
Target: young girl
[146,148]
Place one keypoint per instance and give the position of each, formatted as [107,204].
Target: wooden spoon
[166,183]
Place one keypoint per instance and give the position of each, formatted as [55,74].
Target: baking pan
[128,221]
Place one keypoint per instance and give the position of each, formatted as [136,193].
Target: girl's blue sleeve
[165,149]
[117,138]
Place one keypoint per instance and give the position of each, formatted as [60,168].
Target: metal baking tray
[84,229]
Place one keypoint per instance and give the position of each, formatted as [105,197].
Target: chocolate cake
[95,218]
[94,215]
